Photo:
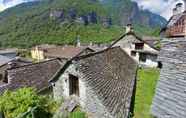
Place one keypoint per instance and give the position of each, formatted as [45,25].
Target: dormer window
[139,46]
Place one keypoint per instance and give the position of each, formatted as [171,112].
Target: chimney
[129,28]
[78,43]
[175,12]
[184,5]
[179,8]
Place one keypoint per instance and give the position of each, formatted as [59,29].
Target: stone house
[6,63]
[103,82]
[176,24]
[144,53]
[34,75]
[64,52]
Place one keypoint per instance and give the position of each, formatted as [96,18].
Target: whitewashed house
[144,53]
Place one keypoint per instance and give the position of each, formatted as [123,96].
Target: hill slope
[60,21]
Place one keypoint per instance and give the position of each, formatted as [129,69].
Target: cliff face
[126,11]
[121,11]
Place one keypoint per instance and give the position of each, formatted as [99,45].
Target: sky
[161,7]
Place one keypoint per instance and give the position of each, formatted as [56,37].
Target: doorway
[73,85]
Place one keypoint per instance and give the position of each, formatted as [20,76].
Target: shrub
[22,101]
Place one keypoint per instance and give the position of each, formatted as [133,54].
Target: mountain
[61,21]
[126,11]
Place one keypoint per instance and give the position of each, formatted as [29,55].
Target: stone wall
[88,99]
[170,97]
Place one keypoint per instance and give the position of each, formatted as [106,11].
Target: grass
[78,114]
[147,79]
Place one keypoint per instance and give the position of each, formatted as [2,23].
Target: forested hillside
[61,21]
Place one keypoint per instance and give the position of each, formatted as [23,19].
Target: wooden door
[74,85]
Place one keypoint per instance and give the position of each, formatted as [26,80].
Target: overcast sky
[162,7]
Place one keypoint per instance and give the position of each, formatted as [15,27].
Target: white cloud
[162,7]
[11,3]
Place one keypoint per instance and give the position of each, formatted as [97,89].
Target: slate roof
[170,98]
[4,60]
[33,75]
[111,74]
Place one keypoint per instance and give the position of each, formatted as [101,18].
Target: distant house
[176,26]
[34,75]
[63,52]
[6,63]
[144,53]
[103,82]
[170,97]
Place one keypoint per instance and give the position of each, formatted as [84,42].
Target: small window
[133,53]
[1,76]
[5,79]
[143,57]
[139,46]
[160,65]
[73,85]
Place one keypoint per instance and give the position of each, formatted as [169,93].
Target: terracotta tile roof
[66,52]
[33,75]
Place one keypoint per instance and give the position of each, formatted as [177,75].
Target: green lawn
[146,84]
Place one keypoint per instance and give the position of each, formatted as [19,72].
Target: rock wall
[170,97]
[88,99]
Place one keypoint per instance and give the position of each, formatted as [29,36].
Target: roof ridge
[94,53]
[35,63]
[121,37]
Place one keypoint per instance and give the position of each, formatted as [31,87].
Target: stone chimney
[129,28]
[175,12]
[78,43]
[184,5]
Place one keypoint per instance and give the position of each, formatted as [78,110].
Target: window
[5,79]
[160,65]
[133,53]
[142,57]
[139,46]
[73,85]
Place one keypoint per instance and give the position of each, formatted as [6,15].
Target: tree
[20,102]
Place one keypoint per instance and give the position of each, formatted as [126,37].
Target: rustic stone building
[144,53]
[176,25]
[170,97]
[103,82]
[42,52]
[34,75]
[10,63]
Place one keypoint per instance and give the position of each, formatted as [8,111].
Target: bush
[22,101]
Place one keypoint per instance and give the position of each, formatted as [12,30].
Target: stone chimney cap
[179,4]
